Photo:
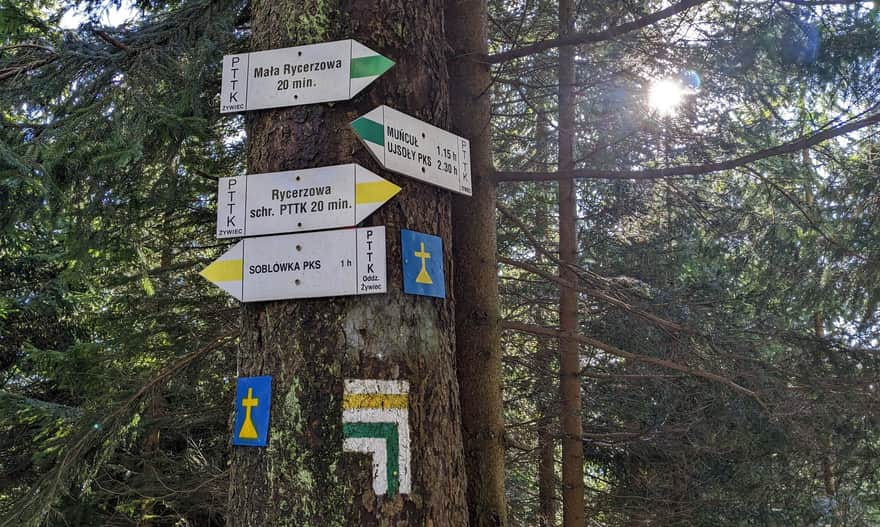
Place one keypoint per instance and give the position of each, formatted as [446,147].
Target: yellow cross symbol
[247,429]
[423,277]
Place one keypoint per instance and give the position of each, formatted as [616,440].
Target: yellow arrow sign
[304,265]
[299,200]
[374,192]
[223,271]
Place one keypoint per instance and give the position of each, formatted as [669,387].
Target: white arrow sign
[310,265]
[299,200]
[416,149]
[332,71]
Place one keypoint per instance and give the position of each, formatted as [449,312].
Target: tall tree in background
[571,425]
[108,134]
[310,346]
[477,335]
[654,252]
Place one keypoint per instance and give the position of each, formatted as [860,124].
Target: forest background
[725,167]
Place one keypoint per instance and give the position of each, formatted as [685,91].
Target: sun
[665,96]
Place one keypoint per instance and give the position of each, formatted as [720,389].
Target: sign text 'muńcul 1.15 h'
[299,200]
[307,265]
[330,71]
[414,148]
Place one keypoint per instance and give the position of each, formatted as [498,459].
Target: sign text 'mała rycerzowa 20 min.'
[331,71]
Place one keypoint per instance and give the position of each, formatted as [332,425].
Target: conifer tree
[313,348]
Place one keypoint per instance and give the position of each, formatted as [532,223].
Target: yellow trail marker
[247,429]
[423,277]
[353,401]
[375,192]
[223,271]
[305,265]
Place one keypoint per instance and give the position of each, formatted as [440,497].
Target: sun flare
[665,96]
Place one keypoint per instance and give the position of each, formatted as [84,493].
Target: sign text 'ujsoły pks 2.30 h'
[299,200]
[331,71]
[310,265]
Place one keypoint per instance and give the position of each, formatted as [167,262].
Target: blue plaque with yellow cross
[422,264]
[253,397]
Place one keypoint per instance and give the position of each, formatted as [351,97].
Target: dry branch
[112,41]
[667,325]
[607,348]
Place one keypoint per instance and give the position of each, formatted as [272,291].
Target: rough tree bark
[546,467]
[309,346]
[547,406]
[478,346]
[569,364]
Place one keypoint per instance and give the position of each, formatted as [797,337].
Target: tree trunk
[478,346]
[569,364]
[547,405]
[546,468]
[310,346]
[828,477]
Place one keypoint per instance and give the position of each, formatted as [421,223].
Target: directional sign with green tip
[414,148]
[331,71]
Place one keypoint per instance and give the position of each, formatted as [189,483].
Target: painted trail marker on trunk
[253,401]
[299,200]
[422,264]
[330,71]
[310,265]
[375,421]
[414,148]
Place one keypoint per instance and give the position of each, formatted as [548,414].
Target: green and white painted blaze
[375,421]
[366,66]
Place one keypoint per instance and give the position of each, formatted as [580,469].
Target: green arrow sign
[331,71]
[414,148]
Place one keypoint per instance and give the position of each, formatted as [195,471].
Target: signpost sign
[299,200]
[309,265]
[331,71]
[414,148]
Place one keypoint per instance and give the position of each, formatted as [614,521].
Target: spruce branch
[585,37]
[800,143]
[110,40]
